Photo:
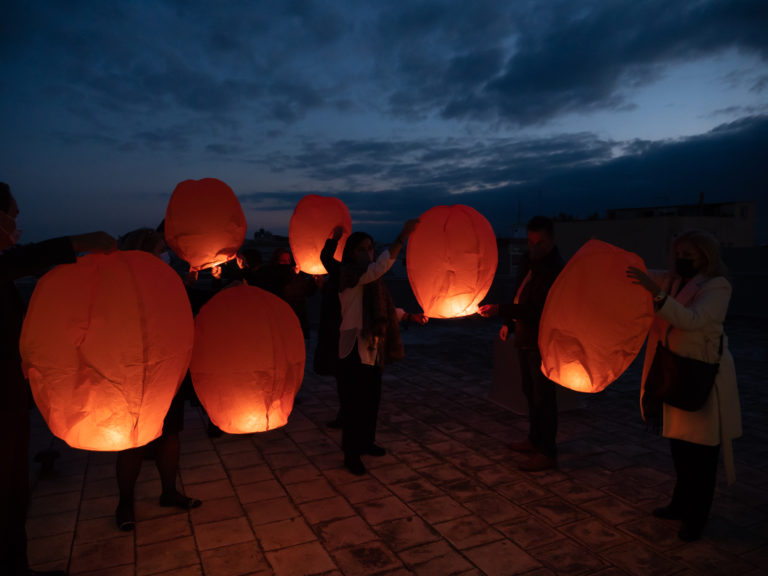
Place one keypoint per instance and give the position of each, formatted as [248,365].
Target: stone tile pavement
[446,499]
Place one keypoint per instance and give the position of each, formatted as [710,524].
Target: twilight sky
[514,108]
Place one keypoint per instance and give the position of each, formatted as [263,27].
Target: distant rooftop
[714,209]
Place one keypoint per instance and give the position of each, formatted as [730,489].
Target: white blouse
[352,311]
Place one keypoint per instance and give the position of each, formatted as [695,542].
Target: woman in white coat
[691,303]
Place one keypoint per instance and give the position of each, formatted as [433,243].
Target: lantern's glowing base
[100,438]
[249,421]
[212,262]
[313,268]
[572,376]
[452,308]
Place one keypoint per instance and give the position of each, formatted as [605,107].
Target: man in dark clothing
[536,275]
[17,262]
[280,277]
[327,349]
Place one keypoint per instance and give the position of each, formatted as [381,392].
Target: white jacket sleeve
[709,307]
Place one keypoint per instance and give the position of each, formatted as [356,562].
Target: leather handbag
[682,382]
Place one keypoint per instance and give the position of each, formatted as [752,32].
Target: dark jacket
[327,350]
[526,314]
[293,287]
[17,262]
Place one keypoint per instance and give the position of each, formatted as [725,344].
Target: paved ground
[447,499]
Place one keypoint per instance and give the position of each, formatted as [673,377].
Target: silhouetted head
[6,198]
[358,248]
[252,258]
[357,255]
[9,234]
[541,237]
[282,257]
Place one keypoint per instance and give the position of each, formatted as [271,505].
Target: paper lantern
[248,360]
[595,319]
[105,344]
[204,223]
[312,222]
[451,260]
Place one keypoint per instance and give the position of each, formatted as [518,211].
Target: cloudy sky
[512,107]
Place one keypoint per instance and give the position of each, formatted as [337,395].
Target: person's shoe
[354,465]
[375,450]
[125,517]
[689,533]
[667,513]
[524,446]
[179,500]
[335,423]
[46,458]
[538,462]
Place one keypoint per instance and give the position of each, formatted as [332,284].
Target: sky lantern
[106,342]
[595,319]
[312,222]
[451,260]
[248,359]
[204,223]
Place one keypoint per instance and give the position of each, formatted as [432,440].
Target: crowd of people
[359,334]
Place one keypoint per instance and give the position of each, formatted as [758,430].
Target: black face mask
[684,267]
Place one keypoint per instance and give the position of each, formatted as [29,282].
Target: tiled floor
[446,499]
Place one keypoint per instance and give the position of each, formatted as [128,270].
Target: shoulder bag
[682,382]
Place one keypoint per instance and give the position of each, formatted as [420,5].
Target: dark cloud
[561,58]
[309,91]
[276,62]
[454,165]
[580,64]
[571,174]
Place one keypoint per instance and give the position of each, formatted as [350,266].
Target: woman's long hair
[351,269]
[709,247]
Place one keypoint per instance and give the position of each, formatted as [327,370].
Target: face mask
[684,267]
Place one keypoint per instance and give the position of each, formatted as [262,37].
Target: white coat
[696,315]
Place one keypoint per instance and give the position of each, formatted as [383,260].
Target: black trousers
[359,397]
[14,491]
[541,394]
[696,470]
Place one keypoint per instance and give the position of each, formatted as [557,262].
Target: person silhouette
[166,448]
[535,277]
[691,302]
[17,261]
[369,337]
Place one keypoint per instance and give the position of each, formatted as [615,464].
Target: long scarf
[652,412]
[381,330]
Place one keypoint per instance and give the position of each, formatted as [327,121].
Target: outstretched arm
[32,259]
[397,245]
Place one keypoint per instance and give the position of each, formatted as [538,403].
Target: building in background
[649,231]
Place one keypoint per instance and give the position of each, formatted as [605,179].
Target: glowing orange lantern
[312,222]
[595,319]
[451,260]
[105,344]
[204,223]
[248,359]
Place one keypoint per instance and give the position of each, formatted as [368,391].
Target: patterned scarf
[380,326]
